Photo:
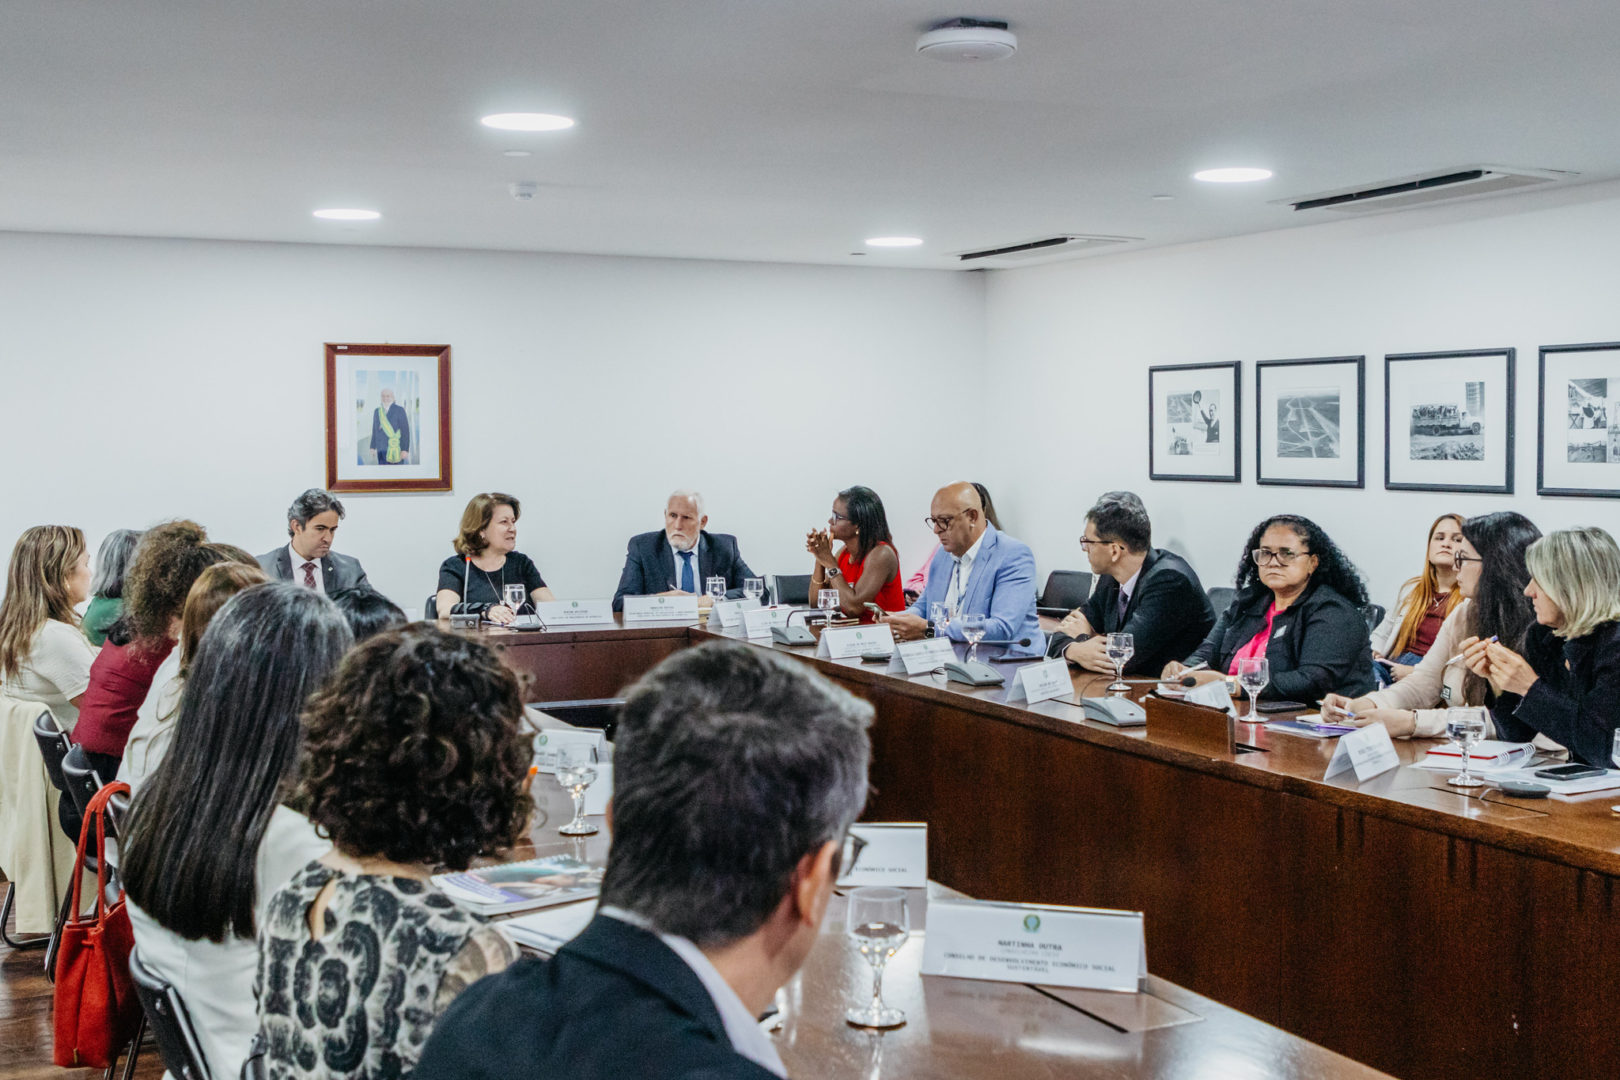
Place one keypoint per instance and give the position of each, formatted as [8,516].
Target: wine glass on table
[939,617]
[827,603]
[576,771]
[974,628]
[879,924]
[754,587]
[1120,648]
[1254,673]
[716,588]
[1465,726]
[512,597]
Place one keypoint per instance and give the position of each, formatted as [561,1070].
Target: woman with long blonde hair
[1409,629]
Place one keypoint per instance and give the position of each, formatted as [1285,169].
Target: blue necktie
[687,584]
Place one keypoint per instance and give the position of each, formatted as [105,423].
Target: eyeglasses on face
[836,517]
[1458,558]
[1267,557]
[1086,542]
[940,524]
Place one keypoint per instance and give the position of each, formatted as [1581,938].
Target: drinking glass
[878,924]
[1465,726]
[1614,754]
[754,587]
[1121,647]
[973,631]
[576,771]
[827,602]
[1253,672]
[716,588]
[513,598]
[939,617]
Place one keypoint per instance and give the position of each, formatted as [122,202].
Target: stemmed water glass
[827,602]
[1465,726]
[1120,648]
[754,587]
[939,617]
[576,771]
[513,598]
[973,631]
[1254,673]
[716,588]
[879,924]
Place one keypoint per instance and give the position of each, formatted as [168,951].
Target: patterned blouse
[360,1001]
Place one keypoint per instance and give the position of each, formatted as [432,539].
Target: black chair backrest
[171,1025]
[430,610]
[1066,589]
[81,782]
[792,588]
[1374,614]
[1220,597]
[54,745]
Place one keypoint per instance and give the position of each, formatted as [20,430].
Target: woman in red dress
[866,570]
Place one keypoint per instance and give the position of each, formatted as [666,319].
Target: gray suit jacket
[338,572]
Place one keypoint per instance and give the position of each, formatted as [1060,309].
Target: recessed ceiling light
[347,215]
[527,121]
[518,153]
[893,241]
[1163,198]
[1232,176]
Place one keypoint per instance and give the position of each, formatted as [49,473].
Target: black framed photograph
[1312,421]
[1448,421]
[1195,417]
[1579,403]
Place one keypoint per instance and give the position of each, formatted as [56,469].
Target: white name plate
[757,622]
[730,612]
[850,641]
[1040,682]
[574,612]
[1088,948]
[921,657]
[1214,694]
[895,854]
[1368,751]
[660,609]
[548,741]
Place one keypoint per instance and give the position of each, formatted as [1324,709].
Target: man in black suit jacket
[680,559]
[308,558]
[1147,592]
[714,892]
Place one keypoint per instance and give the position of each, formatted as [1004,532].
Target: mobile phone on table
[1281,706]
[1569,772]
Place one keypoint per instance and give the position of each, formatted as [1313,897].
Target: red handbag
[96,1010]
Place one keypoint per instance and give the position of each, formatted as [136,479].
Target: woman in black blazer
[1296,587]
[1567,684]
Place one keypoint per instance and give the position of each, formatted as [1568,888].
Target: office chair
[171,1024]
[1065,590]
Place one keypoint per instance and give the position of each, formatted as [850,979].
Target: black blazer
[1318,646]
[614,1003]
[1578,705]
[1167,616]
[338,572]
[649,565]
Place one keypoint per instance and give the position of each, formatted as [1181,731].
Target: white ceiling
[768,129]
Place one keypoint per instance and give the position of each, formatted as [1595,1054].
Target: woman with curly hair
[1298,604]
[413,760]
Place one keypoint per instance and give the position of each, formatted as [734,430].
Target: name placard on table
[840,644]
[1087,948]
[757,621]
[1041,682]
[547,743]
[896,854]
[639,609]
[921,657]
[1369,752]
[729,613]
[574,612]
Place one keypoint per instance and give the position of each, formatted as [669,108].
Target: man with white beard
[679,559]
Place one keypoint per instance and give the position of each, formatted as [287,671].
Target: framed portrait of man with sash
[387,417]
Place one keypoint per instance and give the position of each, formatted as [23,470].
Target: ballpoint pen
[1489,641]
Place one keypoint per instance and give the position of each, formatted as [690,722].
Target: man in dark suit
[737,774]
[390,431]
[1144,591]
[308,558]
[679,560]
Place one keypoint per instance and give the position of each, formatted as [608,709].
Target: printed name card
[1039,682]
[548,741]
[895,854]
[639,609]
[757,621]
[1369,752]
[729,613]
[921,657]
[1214,694]
[556,613]
[1088,948]
[840,644]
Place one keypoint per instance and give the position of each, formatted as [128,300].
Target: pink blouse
[1257,644]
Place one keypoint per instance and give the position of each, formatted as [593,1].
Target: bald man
[976,571]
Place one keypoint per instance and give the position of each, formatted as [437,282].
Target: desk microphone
[1022,643]
[1185,680]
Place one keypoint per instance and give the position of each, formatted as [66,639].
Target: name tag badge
[730,612]
[921,657]
[640,609]
[556,613]
[1041,682]
[1368,751]
[855,640]
[757,621]
[1087,948]
[895,854]
[548,741]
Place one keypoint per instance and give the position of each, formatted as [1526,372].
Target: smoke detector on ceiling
[524,190]
[967,40]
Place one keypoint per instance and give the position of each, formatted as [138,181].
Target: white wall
[148,379]
[1070,345]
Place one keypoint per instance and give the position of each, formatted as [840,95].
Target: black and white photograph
[1312,421]
[1193,418]
[1579,449]
[1448,421]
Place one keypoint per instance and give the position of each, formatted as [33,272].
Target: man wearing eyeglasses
[1152,594]
[976,571]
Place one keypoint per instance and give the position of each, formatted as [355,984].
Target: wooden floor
[25,1024]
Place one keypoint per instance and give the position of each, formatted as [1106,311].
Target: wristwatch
[831,572]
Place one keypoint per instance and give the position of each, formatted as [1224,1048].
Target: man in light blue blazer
[983,571]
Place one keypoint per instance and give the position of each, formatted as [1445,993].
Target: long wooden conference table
[1424,931]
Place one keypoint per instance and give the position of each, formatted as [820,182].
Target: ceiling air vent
[1425,188]
[1052,247]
